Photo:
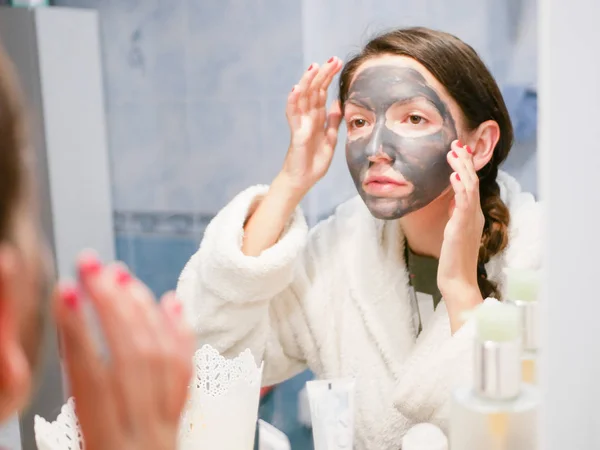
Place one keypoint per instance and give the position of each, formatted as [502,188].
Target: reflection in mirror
[393,143]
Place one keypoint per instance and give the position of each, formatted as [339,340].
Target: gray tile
[144,50]
[228,152]
[243,49]
[149,156]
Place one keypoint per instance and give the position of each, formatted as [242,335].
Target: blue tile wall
[284,404]
[167,256]
[278,408]
[157,245]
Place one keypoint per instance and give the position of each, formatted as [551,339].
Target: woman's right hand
[134,400]
[314,135]
[314,131]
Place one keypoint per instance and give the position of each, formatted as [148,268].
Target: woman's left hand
[132,400]
[457,271]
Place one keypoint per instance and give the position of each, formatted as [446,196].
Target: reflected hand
[314,131]
[134,400]
[457,271]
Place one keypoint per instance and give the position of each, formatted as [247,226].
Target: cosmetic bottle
[498,411]
[425,436]
[522,290]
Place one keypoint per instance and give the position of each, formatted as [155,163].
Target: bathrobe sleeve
[234,301]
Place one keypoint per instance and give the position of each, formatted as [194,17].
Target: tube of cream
[332,413]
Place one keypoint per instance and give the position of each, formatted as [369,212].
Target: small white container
[270,438]
[425,436]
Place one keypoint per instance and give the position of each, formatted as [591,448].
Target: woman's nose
[379,156]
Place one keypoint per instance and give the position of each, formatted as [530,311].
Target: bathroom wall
[195,94]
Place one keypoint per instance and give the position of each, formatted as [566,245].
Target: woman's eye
[415,119]
[358,123]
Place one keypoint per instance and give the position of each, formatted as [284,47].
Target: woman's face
[400,123]
[26,277]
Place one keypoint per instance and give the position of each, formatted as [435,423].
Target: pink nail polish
[89,266]
[177,309]
[469,151]
[293,88]
[310,68]
[330,60]
[454,154]
[458,143]
[123,277]
[70,296]
[458,177]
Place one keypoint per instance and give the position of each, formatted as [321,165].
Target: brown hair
[468,81]
[12,147]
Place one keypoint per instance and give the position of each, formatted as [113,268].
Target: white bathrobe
[336,299]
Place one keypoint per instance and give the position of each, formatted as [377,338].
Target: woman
[427,130]
[134,402]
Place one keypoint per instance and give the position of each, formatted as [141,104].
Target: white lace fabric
[221,410]
[223,401]
[62,434]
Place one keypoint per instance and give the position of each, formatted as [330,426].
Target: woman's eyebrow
[415,98]
[360,102]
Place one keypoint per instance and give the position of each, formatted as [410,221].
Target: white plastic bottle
[522,290]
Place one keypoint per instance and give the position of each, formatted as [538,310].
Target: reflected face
[399,133]
[28,283]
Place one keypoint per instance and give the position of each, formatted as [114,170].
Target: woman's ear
[483,142]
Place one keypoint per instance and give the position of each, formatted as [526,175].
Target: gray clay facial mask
[420,158]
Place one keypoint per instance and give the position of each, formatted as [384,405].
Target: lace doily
[62,434]
[223,397]
[215,374]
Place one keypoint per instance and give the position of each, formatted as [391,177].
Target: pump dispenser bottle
[522,290]
[498,411]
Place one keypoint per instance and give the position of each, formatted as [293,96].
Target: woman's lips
[382,186]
